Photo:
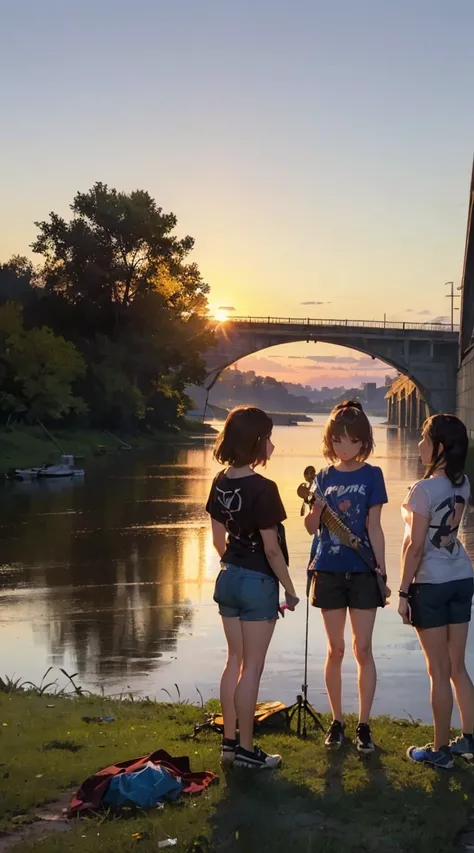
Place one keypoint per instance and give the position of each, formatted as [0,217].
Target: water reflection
[113,577]
[94,576]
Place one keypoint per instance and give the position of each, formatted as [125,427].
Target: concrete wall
[465,393]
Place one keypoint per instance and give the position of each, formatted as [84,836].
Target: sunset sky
[319,152]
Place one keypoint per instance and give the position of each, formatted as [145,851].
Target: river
[112,578]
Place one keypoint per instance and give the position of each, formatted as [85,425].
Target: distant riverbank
[26,446]
[278,418]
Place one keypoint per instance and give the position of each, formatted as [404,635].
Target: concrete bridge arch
[426,354]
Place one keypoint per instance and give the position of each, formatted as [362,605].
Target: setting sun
[221,315]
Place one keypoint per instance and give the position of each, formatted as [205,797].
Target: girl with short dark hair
[343,582]
[246,515]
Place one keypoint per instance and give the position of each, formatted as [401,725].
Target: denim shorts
[245,594]
[434,605]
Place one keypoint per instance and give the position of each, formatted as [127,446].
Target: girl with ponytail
[342,581]
[436,586]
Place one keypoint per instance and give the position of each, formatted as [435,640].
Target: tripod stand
[302,707]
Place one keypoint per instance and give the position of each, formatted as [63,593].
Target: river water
[112,578]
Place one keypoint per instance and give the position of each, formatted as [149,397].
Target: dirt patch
[40,821]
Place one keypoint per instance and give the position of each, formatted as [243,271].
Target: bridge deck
[444,329]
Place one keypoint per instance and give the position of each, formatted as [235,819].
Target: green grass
[29,446]
[317,803]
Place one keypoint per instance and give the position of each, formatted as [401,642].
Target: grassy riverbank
[30,446]
[317,802]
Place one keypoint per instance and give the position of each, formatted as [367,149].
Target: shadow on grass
[356,805]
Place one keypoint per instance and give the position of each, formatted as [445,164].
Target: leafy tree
[116,282]
[116,247]
[17,281]
[38,370]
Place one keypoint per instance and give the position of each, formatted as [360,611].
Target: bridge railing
[371,324]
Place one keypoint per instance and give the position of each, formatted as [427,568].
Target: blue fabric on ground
[145,788]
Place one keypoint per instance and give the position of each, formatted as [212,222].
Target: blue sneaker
[463,747]
[435,758]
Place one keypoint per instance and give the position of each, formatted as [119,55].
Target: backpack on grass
[269,716]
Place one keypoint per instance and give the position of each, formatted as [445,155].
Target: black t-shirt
[246,505]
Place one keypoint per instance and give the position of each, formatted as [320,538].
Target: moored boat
[22,474]
[65,468]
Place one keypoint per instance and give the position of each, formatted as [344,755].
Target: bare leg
[434,642]
[256,639]
[463,687]
[362,622]
[231,674]
[334,623]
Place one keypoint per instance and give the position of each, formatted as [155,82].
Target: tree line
[235,387]
[108,328]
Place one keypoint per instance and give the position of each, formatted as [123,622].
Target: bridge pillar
[420,411]
[396,410]
[413,410]
[402,411]
[396,413]
[423,412]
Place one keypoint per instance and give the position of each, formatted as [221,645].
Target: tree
[38,370]
[17,281]
[117,247]
[116,282]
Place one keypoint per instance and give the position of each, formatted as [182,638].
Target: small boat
[22,474]
[65,468]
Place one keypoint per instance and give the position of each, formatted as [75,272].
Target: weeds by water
[11,684]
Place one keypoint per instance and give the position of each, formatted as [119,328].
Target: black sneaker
[228,750]
[363,739]
[256,760]
[334,735]
[463,747]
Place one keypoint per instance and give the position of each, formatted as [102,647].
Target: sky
[318,152]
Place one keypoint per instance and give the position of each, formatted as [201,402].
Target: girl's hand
[404,611]
[382,572]
[291,600]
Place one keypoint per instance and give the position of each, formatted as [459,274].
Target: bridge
[436,360]
[426,353]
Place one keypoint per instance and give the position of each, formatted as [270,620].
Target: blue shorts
[434,605]
[245,594]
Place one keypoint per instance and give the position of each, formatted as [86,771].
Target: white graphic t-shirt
[444,557]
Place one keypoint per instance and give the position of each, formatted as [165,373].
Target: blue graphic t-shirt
[350,494]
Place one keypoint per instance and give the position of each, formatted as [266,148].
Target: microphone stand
[302,707]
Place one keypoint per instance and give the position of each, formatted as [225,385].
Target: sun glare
[221,315]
